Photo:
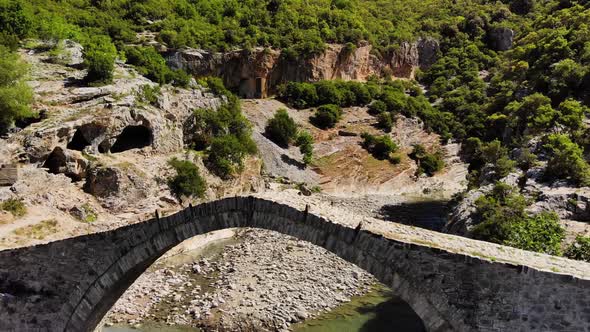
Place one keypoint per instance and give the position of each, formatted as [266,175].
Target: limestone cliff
[257,73]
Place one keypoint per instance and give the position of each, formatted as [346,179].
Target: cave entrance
[132,137]
[78,142]
[56,163]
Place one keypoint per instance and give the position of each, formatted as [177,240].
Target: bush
[99,57]
[566,161]
[15,206]
[377,107]
[226,155]
[149,94]
[385,121]
[187,181]
[327,116]
[381,147]
[580,249]
[151,64]
[505,221]
[305,143]
[428,163]
[299,95]
[281,128]
[15,95]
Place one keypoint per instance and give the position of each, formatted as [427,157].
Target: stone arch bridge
[70,285]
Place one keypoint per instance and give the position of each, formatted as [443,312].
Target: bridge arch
[106,289]
[69,285]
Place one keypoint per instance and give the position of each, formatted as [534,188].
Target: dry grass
[38,231]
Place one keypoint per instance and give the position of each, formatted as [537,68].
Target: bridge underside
[70,285]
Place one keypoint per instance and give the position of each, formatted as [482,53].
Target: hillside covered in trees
[511,107]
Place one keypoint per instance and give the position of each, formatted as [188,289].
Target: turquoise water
[377,311]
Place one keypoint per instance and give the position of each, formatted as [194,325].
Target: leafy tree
[226,155]
[14,18]
[305,143]
[187,181]
[15,95]
[99,57]
[327,116]
[381,147]
[428,163]
[281,128]
[505,221]
[377,107]
[385,121]
[566,161]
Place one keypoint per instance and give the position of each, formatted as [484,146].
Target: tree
[503,220]
[381,147]
[327,116]
[15,95]
[385,121]
[99,57]
[305,143]
[566,161]
[226,155]
[281,128]
[187,181]
[377,107]
[428,163]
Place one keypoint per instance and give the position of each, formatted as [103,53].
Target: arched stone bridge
[69,285]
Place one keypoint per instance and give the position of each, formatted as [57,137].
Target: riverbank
[257,280]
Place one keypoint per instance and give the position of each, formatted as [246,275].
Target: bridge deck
[451,243]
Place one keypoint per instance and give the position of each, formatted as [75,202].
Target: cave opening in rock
[78,142]
[56,163]
[132,137]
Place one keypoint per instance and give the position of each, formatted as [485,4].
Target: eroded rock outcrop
[256,73]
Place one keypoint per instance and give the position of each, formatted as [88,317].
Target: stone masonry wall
[69,285]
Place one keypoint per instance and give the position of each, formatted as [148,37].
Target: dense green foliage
[305,143]
[187,181]
[428,163]
[225,133]
[580,249]
[326,116]
[381,147]
[505,221]
[281,128]
[15,95]
[152,65]
[99,57]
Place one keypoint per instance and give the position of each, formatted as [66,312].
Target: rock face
[501,38]
[256,74]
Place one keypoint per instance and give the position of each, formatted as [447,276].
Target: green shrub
[566,161]
[299,95]
[15,206]
[381,147]
[326,116]
[15,95]
[385,121]
[187,181]
[151,64]
[149,94]
[505,221]
[377,107]
[226,155]
[281,128]
[580,249]
[305,143]
[99,57]
[428,163]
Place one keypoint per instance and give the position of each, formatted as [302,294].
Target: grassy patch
[38,231]
[15,206]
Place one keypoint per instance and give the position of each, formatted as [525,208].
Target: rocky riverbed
[260,280]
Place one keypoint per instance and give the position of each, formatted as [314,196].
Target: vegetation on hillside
[187,181]
[15,95]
